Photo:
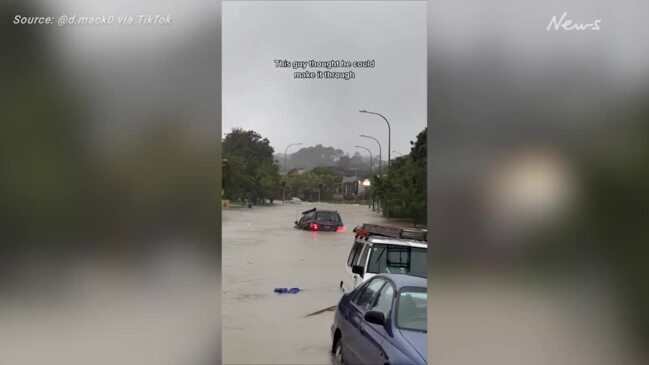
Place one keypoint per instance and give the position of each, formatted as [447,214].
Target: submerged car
[320,220]
[383,321]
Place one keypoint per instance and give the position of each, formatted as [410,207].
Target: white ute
[381,249]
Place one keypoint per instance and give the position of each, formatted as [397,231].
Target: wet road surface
[262,251]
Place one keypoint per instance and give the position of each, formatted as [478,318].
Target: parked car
[320,220]
[293,200]
[381,249]
[383,321]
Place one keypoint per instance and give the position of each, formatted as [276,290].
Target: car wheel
[337,353]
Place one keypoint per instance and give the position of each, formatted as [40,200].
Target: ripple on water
[243,297]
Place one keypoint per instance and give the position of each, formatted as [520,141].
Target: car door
[352,260]
[373,352]
[358,341]
[360,261]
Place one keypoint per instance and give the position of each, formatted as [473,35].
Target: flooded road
[262,251]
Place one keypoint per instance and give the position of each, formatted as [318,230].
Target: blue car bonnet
[418,341]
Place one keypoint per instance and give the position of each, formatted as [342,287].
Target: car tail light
[314,227]
[340,228]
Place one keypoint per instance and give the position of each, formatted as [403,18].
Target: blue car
[382,322]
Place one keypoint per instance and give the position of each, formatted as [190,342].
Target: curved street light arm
[380,153]
[389,131]
[370,152]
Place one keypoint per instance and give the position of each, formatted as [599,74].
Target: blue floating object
[287,291]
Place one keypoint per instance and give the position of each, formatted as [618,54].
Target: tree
[302,184]
[403,189]
[343,162]
[250,171]
[328,179]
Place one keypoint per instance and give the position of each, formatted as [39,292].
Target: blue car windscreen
[412,310]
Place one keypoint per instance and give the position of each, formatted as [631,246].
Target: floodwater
[262,251]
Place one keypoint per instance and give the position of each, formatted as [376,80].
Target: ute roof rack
[367,229]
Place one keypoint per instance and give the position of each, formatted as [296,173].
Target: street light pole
[379,143]
[370,152]
[389,144]
[389,133]
[285,171]
[286,152]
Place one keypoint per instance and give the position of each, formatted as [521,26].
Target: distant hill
[309,157]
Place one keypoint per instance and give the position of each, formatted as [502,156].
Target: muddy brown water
[262,251]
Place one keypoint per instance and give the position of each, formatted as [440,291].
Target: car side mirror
[358,269]
[375,317]
[296,223]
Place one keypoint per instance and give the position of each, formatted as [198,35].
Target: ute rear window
[394,259]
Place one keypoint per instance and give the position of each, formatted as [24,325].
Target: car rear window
[353,253]
[308,216]
[327,217]
[363,258]
[358,252]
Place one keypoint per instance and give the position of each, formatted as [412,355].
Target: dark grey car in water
[320,220]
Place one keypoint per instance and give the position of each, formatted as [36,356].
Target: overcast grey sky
[259,96]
